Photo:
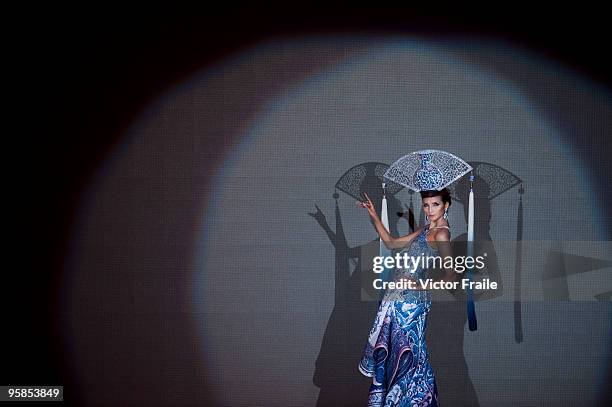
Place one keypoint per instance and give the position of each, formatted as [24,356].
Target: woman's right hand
[369,206]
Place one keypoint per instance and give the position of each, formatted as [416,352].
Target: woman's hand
[382,231]
[369,206]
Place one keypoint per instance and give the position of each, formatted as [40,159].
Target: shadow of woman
[446,323]
[351,319]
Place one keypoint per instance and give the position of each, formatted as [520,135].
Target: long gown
[395,355]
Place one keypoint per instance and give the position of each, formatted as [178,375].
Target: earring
[427,218]
[446,214]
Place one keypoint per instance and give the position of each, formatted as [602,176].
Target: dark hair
[444,194]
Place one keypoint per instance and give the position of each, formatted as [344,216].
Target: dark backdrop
[100,68]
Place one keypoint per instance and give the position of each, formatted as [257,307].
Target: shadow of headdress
[368,178]
[490,182]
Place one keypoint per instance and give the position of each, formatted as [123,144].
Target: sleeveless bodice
[417,252]
[418,249]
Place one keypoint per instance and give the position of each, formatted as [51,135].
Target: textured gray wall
[189,285]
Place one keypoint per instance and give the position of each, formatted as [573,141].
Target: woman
[396,354]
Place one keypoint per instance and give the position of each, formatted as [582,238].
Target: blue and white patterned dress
[396,354]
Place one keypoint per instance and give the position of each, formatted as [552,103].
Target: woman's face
[434,208]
